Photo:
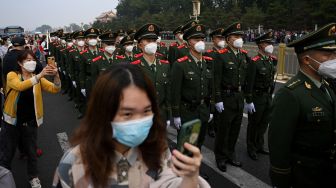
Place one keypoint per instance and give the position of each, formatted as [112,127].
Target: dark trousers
[9,138]
[304,176]
[257,125]
[229,127]
[201,112]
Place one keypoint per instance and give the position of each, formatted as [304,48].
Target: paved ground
[60,121]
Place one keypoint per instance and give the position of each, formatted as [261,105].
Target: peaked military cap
[178,30]
[147,31]
[108,37]
[63,36]
[233,29]
[68,37]
[92,32]
[18,41]
[131,31]
[321,39]
[189,25]
[78,34]
[59,33]
[217,33]
[196,31]
[267,37]
[53,34]
[129,39]
[120,32]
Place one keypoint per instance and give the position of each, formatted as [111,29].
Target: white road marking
[63,141]
[238,176]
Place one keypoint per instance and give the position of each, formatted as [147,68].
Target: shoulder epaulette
[209,51]
[163,44]
[120,57]
[136,62]
[274,57]
[69,47]
[293,83]
[181,46]
[244,51]
[164,61]
[173,44]
[256,58]
[182,59]
[84,51]
[101,50]
[138,55]
[97,58]
[157,53]
[223,51]
[72,50]
[207,58]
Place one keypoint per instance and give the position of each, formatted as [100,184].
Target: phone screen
[189,132]
[51,61]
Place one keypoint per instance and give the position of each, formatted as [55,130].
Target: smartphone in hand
[189,132]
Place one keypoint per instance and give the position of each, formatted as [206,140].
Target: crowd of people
[128,87]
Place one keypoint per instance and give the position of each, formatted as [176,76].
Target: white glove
[83,91]
[219,107]
[59,68]
[249,107]
[64,72]
[177,122]
[168,123]
[210,118]
[74,84]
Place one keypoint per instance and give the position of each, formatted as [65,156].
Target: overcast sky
[57,13]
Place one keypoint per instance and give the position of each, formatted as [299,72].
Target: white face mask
[151,48]
[221,44]
[70,44]
[110,49]
[63,42]
[121,38]
[158,40]
[327,68]
[73,41]
[29,66]
[181,36]
[129,48]
[200,46]
[269,49]
[93,42]
[238,43]
[80,43]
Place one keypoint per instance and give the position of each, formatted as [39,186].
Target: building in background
[106,16]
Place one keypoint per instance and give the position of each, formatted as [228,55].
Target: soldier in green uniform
[88,55]
[62,53]
[74,64]
[302,133]
[259,90]
[218,44]
[230,78]
[127,44]
[66,57]
[106,57]
[157,69]
[177,50]
[162,49]
[191,80]
[179,41]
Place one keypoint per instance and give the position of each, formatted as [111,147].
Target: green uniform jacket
[85,76]
[302,129]
[161,80]
[177,51]
[190,84]
[230,73]
[74,61]
[260,78]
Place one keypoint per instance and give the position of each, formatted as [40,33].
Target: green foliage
[275,14]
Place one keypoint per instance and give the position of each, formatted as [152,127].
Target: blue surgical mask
[132,133]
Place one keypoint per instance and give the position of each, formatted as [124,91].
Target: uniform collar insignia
[317,109]
[308,86]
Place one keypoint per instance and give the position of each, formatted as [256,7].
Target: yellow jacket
[15,85]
